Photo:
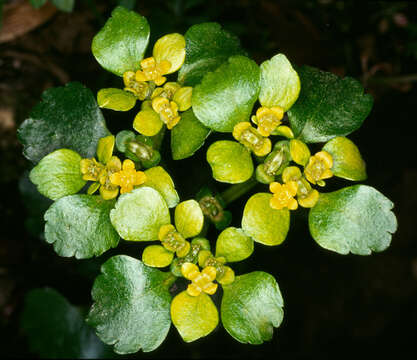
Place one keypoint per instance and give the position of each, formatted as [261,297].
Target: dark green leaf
[56,329]
[132,305]
[207,47]
[121,43]
[35,3]
[64,5]
[68,117]
[252,306]
[328,106]
[226,96]
[356,219]
[187,136]
[79,225]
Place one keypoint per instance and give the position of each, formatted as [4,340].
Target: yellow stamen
[167,110]
[318,168]
[268,119]
[153,71]
[251,138]
[140,89]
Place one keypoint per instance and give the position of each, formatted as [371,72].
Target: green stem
[236,191]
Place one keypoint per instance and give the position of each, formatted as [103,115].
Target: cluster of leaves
[216,90]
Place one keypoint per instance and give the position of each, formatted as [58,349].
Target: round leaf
[187,136]
[105,149]
[147,122]
[170,47]
[116,99]
[194,316]
[234,245]
[139,214]
[347,160]
[226,96]
[189,218]
[251,307]
[68,117]
[356,219]
[264,224]
[58,174]
[157,256]
[328,106]
[280,84]
[57,330]
[230,161]
[207,47]
[131,308]
[121,43]
[79,225]
[159,179]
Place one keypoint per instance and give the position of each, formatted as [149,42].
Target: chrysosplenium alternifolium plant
[194,85]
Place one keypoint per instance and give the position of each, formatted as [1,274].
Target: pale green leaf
[189,218]
[234,245]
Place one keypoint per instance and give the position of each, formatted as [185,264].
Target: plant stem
[236,191]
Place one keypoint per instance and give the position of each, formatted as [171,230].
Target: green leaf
[105,149]
[160,180]
[226,96]
[230,161]
[116,99]
[194,316]
[251,307]
[207,46]
[264,224]
[280,84]
[139,214]
[347,160]
[328,106]
[79,225]
[57,330]
[58,174]
[131,308]
[234,245]
[189,218]
[356,219]
[121,43]
[36,3]
[64,5]
[187,136]
[68,117]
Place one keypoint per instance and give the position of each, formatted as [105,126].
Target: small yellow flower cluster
[173,241]
[225,274]
[200,281]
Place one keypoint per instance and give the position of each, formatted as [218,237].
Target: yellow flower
[201,281]
[167,91]
[128,177]
[91,169]
[318,168]
[153,71]
[268,119]
[140,89]
[307,197]
[283,195]
[108,190]
[167,110]
[173,241]
[251,138]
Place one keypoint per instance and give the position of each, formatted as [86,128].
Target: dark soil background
[335,306]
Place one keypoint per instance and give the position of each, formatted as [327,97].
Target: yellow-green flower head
[108,190]
[91,169]
[201,281]
[307,197]
[268,119]
[283,195]
[173,241]
[140,89]
[167,91]
[318,168]
[167,110]
[251,138]
[225,274]
[128,177]
[153,71]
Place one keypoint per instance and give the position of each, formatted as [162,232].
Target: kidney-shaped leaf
[57,330]
[79,225]
[252,306]
[207,46]
[58,174]
[226,96]
[132,304]
[356,219]
[194,316]
[264,224]
[68,117]
[187,136]
[347,160]
[230,162]
[234,245]
[280,84]
[328,106]
[139,214]
[121,43]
